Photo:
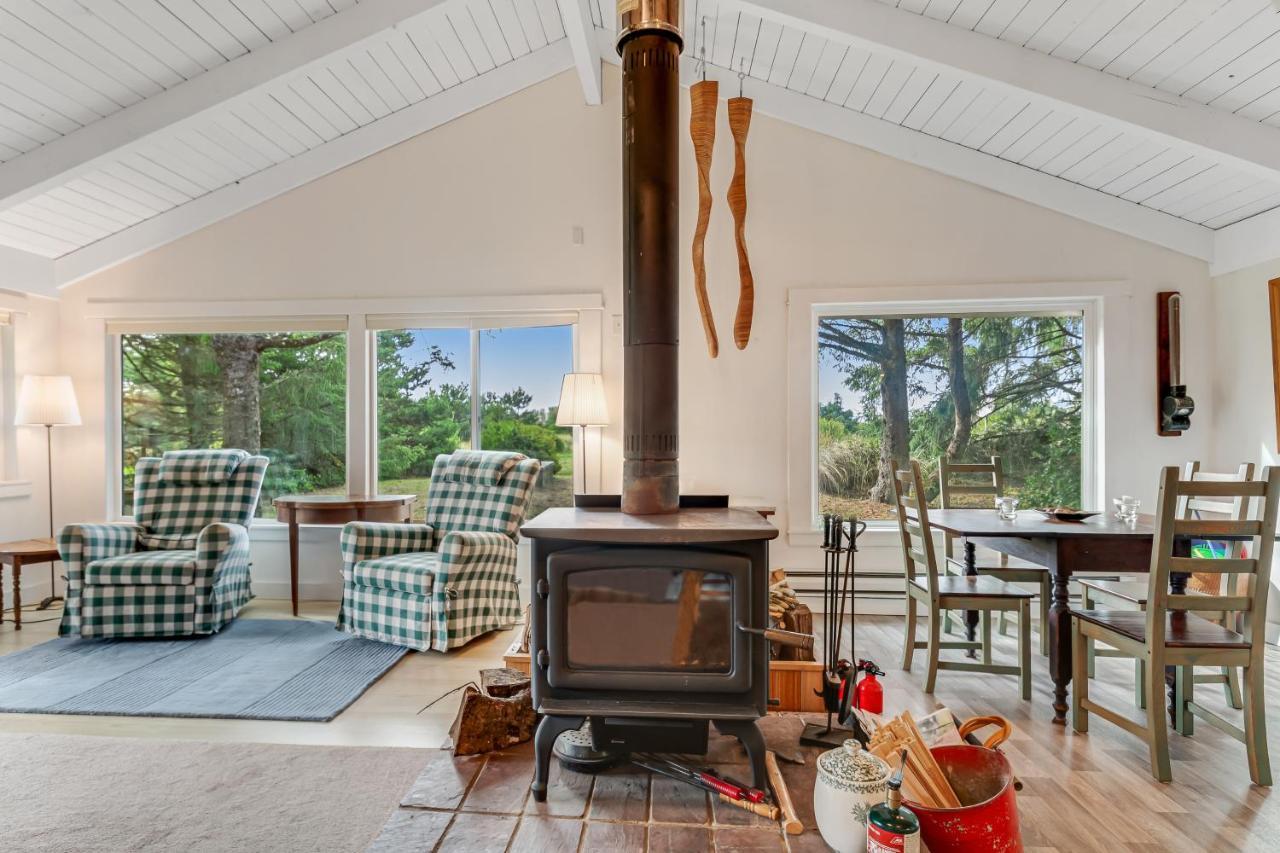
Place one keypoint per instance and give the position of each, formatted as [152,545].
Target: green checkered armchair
[441,584]
[181,566]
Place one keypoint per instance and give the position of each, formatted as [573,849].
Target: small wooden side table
[17,555]
[335,509]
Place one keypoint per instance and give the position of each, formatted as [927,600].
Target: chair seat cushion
[1182,630]
[974,587]
[411,573]
[1134,592]
[143,568]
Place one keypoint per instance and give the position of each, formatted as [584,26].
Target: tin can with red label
[881,840]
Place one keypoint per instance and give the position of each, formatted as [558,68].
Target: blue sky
[534,358]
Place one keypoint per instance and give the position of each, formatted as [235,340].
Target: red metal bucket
[987,820]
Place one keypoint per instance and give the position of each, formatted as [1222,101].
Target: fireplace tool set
[839,676]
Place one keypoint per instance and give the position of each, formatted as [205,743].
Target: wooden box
[791,682]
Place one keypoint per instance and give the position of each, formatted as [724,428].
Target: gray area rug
[111,795]
[257,669]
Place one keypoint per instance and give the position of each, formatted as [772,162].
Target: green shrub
[533,440]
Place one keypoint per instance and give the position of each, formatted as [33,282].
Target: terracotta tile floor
[482,803]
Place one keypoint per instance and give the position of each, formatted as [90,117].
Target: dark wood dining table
[1102,543]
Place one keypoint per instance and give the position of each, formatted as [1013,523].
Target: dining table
[1100,543]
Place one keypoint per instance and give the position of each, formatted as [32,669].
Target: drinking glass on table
[1008,508]
[1127,508]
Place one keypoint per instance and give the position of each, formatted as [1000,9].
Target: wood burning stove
[651,627]
[650,617]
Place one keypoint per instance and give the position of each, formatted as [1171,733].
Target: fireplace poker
[708,783]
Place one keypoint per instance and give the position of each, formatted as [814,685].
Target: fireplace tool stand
[839,544]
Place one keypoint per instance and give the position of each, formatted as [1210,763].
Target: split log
[487,722]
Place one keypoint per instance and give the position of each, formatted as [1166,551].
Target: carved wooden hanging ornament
[739,124]
[705,98]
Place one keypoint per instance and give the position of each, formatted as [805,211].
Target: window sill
[10,489]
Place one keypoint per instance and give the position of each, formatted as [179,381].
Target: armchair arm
[465,555]
[220,545]
[81,544]
[364,540]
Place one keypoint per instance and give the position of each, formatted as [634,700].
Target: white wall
[24,498]
[487,203]
[1242,396]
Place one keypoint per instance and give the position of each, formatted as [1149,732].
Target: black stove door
[648,619]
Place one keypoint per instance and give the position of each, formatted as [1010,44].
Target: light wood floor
[1088,792]
[386,715]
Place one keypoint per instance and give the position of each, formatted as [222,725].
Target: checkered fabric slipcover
[182,566]
[441,584]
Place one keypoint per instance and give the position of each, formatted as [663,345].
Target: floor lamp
[582,404]
[48,401]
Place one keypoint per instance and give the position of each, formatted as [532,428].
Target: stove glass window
[650,619]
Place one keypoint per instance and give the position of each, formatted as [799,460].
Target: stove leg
[543,740]
[753,742]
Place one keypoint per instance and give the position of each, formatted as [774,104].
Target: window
[279,393]
[966,385]
[440,389]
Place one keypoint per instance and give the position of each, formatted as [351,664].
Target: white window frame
[1104,305]
[475,324]
[361,318]
[11,486]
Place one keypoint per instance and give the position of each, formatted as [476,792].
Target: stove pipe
[649,42]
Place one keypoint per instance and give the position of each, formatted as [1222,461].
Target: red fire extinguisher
[868,695]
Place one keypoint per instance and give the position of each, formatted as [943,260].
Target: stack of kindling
[923,781]
[781,597]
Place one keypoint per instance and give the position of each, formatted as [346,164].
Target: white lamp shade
[582,401]
[47,401]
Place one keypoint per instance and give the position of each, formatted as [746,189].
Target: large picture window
[280,394]
[440,389]
[966,386]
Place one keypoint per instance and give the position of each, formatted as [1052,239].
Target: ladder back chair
[1132,595]
[1170,633]
[937,593]
[960,480]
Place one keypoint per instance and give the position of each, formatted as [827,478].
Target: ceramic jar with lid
[850,781]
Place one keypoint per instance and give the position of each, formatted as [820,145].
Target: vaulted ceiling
[125,124]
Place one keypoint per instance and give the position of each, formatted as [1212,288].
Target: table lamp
[582,405]
[48,401]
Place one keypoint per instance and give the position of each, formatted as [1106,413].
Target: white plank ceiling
[1213,51]
[66,65]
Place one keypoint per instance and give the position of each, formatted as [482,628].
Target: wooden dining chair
[937,593]
[1170,633]
[1132,595]
[960,480]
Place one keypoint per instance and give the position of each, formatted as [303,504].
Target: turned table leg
[1060,644]
[17,593]
[970,616]
[293,561]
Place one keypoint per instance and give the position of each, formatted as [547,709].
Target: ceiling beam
[957,161]
[23,272]
[585,44]
[506,79]
[1245,243]
[62,159]
[1081,90]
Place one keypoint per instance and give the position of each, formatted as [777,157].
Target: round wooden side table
[17,555]
[295,510]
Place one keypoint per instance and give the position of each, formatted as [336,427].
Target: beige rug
[88,794]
